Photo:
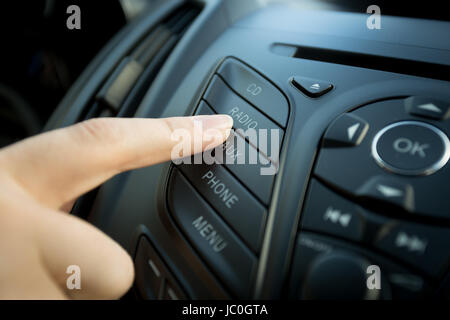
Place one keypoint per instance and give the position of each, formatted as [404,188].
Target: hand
[41,175]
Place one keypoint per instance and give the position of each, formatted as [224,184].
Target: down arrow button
[388,190]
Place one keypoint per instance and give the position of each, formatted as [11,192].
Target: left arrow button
[346,131]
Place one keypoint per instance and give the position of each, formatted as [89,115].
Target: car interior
[358,103]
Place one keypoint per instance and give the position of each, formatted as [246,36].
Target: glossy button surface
[258,175]
[327,212]
[411,148]
[232,201]
[428,107]
[255,89]
[223,251]
[311,87]
[237,155]
[347,130]
[223,100]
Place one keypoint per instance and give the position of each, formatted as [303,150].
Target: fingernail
[218,121]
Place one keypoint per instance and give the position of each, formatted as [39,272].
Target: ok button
[411,148]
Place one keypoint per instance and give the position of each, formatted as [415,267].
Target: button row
[254,103]
[257,90]
[224,101]
[371,156]
[223,251]
[219,204]
[236,153]
[325,268]
[230,199]
[423,247]
[404,147]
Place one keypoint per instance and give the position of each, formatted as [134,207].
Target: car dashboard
[354,182]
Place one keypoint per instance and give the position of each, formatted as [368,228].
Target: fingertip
[228,120]
[216,121]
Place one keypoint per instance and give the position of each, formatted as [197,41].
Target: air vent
[124,89]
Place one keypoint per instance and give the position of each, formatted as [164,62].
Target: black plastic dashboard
[362,120]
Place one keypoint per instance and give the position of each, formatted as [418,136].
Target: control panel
[374,202]
[334,182]
[371,204]
[222,208]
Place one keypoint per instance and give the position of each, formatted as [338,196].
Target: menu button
[208,232]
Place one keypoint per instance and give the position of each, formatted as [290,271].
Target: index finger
[59,166]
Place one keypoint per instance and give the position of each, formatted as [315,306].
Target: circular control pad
[411,148]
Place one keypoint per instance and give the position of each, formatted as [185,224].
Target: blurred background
[40,58]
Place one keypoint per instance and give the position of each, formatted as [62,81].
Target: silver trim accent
[172,294]
[154,268]
[422,172]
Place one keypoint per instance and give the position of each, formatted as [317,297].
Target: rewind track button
[328,213]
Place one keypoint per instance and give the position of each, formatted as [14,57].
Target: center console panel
[361,118]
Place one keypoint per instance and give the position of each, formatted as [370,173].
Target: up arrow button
[428,108]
